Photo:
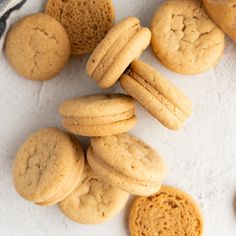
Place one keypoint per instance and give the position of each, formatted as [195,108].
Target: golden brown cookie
[93,201]
[126,162]
[48,166]
[223,13]
[72,179]
[86,22]
[158,95]
[124,42]
[184,38]
[37,47]
[169,212]
[98,114]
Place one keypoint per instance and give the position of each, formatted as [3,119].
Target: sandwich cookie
[93,201]
[98,114]
[158,95]
[48,166]
[123,43]
[126,162]
[86,22]
[71,181]
[168,212]
[184,38]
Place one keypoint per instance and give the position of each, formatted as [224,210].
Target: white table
[201,158]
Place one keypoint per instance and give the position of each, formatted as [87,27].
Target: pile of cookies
[90,188]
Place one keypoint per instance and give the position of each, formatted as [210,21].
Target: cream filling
[98,120]
[121,175]
[113,52]
[179,114]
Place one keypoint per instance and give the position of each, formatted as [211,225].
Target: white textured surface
[201,158]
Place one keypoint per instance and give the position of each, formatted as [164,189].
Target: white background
[201,158]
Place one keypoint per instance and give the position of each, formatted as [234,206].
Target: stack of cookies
[117,53]
[48,166]
[51,168]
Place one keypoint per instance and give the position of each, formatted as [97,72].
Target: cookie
[184,38]
[93,201]
[72,179]
[98,114]
[48,166]
[37,47]
[223,13]
[126,162]
[158,95]
[86,22]
[123,43]
[168,212]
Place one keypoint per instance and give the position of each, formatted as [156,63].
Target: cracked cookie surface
[73,178]
[93,201]
[43,164]
[37,47]
[170,212]
[184,38]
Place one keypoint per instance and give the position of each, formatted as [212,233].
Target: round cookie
[72,179]
[93,201]
[37,47]
[127,163]
[223,13]
[184,38]
[124,42]
[98,114]
[168,212]
[48,166]
[158,95]
[86,22]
